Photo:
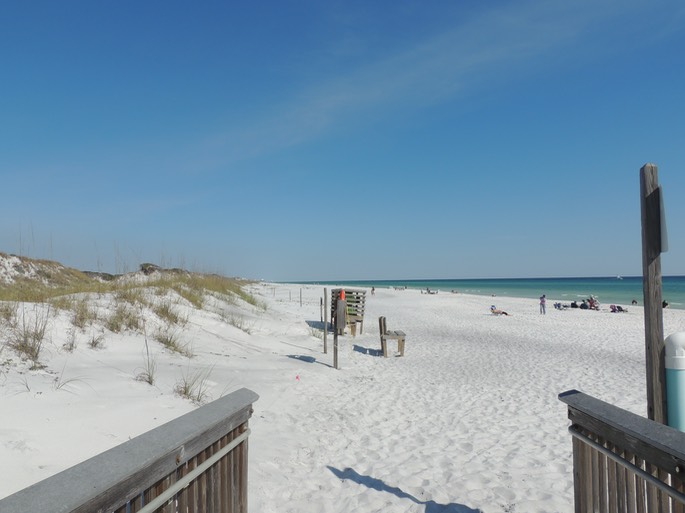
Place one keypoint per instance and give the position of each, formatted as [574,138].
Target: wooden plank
[612,488]
[201,483]
[664,498]
[621,488]
[650,207]
[577,478]
[640,489]
[182,497]
[651,441]
[594,476]
[194,497]
[631,488]
[325,321]
[679,484]
[242,473]
[603,483]
[212,485]
[652,492]
[114,477]
[224,474]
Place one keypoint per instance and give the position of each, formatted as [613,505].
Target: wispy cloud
[439,68]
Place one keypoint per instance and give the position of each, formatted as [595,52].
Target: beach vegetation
[171,340]
[96,341]
[8,312]
[168,313]
[70,343]
[62,383]
[83,313]
[134,295]
[27,335]
[122,318]
[148,374]
[194,385]
[238,321]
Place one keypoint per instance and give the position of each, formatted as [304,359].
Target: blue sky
[333,140]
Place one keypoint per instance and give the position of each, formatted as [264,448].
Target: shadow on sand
[307,359]
[377,484]
[368,350]
[318,325]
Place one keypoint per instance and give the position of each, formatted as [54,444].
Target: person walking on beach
[543,304]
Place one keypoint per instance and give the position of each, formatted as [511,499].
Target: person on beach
[543,304]
[496,311]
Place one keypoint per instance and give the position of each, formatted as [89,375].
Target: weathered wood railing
[194,464]
[623,462]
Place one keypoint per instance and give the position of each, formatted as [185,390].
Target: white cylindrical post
[675,379]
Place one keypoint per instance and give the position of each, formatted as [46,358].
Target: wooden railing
[623,462]
[194,464]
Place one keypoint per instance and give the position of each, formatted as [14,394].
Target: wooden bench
[390,335]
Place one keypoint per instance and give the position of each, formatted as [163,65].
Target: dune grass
[27,334]
[194,385]
[55,288]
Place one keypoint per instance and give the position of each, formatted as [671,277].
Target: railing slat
[630,477]
[603,478]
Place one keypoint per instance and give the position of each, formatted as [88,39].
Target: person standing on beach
[543,304]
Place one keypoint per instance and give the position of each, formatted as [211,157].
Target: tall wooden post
[325,320]
[340,321]
[650,195]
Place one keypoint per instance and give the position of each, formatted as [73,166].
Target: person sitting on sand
[495,311]
[584,305]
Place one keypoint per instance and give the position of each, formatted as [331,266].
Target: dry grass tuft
[194,385]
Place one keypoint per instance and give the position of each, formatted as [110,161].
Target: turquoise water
[608,290]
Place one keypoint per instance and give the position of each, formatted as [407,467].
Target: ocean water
[610,290]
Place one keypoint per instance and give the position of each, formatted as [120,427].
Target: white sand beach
[468,420]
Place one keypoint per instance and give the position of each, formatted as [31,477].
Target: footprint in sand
[19,446]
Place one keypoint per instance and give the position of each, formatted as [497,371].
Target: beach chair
[390,335]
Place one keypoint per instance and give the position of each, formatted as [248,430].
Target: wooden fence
[623,462]
[194,464]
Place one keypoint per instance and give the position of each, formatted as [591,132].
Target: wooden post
[335,348]
[325,320]
[300,298]
[340,320]
[650,207]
